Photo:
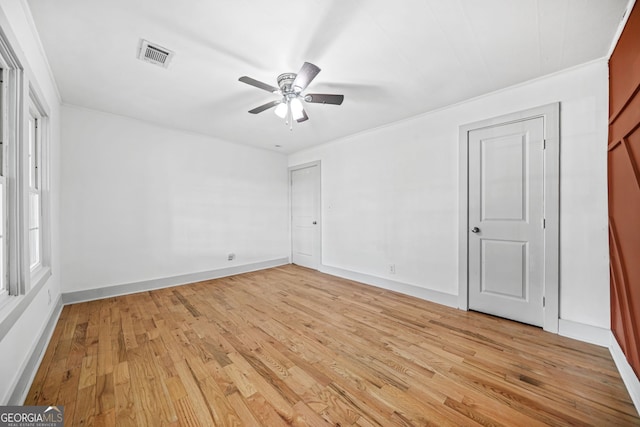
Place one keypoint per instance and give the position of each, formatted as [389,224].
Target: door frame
[317,163]
[551,286]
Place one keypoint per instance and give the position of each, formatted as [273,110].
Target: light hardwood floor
[291,346]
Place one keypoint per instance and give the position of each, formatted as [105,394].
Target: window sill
[38,276]
[12,307]
[5,300]
[8,305]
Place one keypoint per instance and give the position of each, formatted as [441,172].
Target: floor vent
[154,54]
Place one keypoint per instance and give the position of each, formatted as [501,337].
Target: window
[36,184]
[11,90]
[25,252]
[4,286]
[34,149]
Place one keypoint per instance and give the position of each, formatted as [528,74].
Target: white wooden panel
[505,268]
[503,172]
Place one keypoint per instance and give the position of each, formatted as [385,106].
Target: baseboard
[583,332]
[30,367]
[629,377]
[166,282]
[392,285]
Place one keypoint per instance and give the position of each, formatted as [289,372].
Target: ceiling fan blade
[266,106]
[306,74]
[258,84]
[322,98]
[304,117]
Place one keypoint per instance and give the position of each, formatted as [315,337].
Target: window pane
[34,210]
[34,228]
[2,109]
[31,152]
[2,219]
[2,281]
[35,154]
[34,247]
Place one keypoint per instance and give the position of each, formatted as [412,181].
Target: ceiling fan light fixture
[296,109]
[281,110]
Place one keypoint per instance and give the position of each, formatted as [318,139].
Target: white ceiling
[391,60]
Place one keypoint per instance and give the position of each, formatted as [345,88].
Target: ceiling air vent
[154,54]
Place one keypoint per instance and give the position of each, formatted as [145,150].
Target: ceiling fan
[290,88]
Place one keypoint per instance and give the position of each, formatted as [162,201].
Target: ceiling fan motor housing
[285,80]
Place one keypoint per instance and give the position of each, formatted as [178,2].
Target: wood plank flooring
[291,346]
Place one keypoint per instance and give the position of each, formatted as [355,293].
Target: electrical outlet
[231,257]
[392,269]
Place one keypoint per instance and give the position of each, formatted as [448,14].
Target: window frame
[34,222]
[21,98]
[41,271]
[11,116]
[4,281]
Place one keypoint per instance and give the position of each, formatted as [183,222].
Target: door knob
[475,230]
[315,222]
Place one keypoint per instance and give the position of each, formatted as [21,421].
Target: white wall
[389,196]
[142,202]
[34,310]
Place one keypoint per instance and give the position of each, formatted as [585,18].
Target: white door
[305,216]
[506,230]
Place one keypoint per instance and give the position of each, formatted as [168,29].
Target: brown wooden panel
[624,189]
[623,125]
[633,146]
[617,322]
[625,65]
[622,323]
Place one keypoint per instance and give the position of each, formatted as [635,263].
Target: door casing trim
[551,116]
[317,163]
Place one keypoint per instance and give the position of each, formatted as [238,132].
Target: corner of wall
[583,332]
[629,377]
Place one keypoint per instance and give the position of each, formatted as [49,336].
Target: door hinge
[543,302]
[544,144]
[544,223]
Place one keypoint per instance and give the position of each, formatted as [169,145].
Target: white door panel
[506,238]
[305,215]
[503,178]
[510,279]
